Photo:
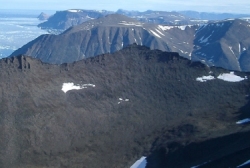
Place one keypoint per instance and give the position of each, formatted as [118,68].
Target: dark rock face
[226,151]
[143,101]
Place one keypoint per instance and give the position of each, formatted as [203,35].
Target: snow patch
[89,18]
[71,86]
[244,164]
[160,32]
[157,35]
[130,23]
[231,49]
[230,19]
[204,78]
[122,100]
[141,163]
[244,121]
[200,165]
[183,27]
[165,27]
[74,10]
[230,77]
[203,39]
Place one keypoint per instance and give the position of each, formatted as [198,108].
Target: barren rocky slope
[134,102]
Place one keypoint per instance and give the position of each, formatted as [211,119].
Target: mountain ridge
[104,35]
[217,44]
[139,100]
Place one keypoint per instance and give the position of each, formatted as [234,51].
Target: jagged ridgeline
[109,110]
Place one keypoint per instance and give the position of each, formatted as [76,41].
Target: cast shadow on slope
[226,151]
[244,112]
[231,150]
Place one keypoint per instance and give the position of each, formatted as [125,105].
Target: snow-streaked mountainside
[223,43]
[62,20]
[107,35]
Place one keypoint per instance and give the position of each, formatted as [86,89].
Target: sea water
[16,30]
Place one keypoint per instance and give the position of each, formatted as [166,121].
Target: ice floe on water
[244,121]
[230,77]
[17,31]
[205,78]
[141,163]
[71,86]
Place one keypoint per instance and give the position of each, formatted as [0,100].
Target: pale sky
[231,6]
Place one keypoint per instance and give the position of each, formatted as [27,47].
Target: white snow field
[141,163]
[71,86]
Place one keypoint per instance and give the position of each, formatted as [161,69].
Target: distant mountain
[132,103]
[43,16]
[224,44]
[212,15]
[158,17]
[107,35]
[62,20]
